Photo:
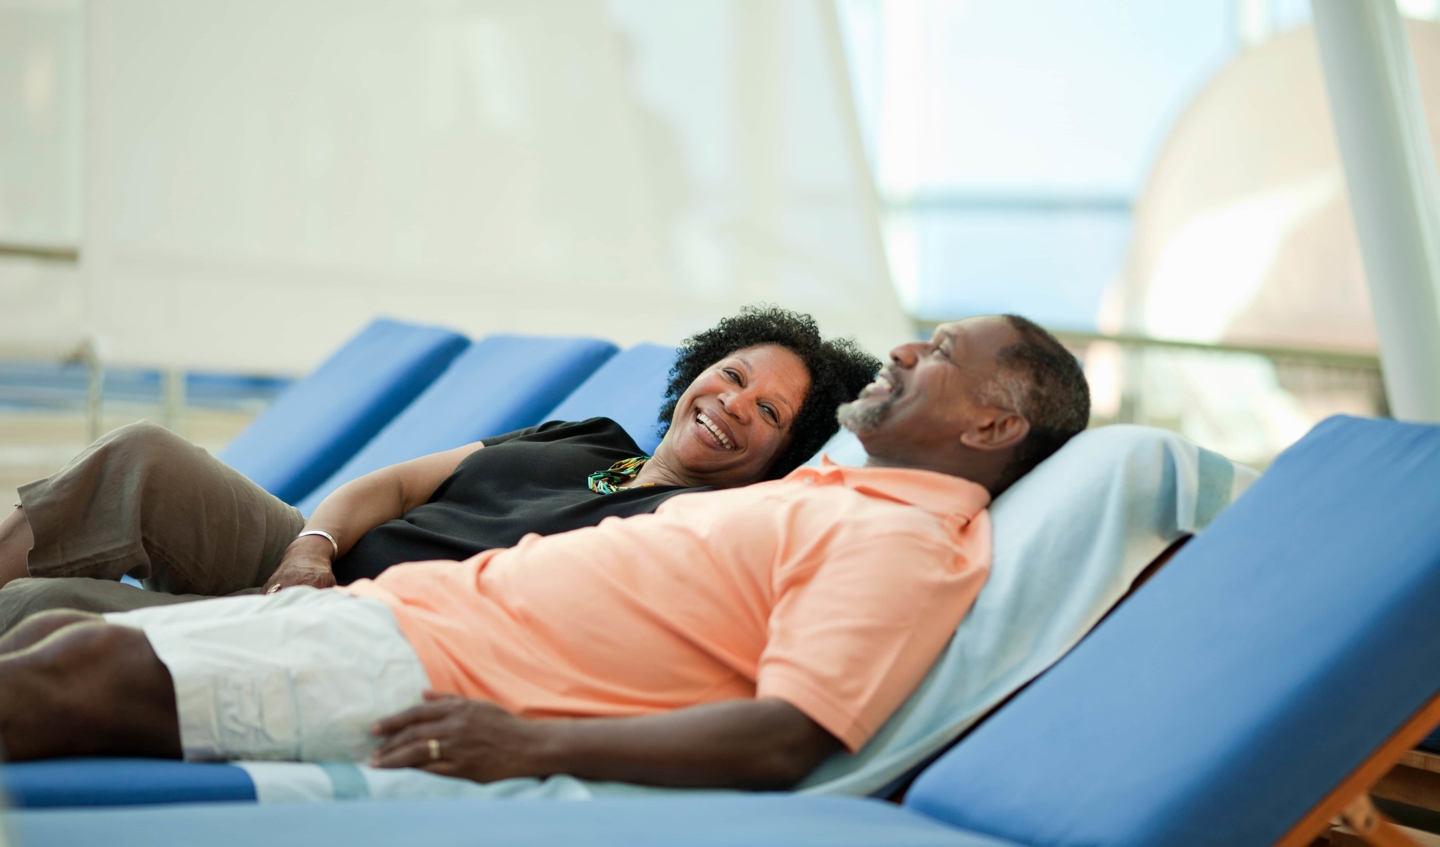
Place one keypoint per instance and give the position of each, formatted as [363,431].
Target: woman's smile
[713,432]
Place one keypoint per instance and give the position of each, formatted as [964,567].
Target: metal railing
[1305,372]
[1303,355]
[84,354]
[1306,355]
[1008,201]
[1150,374]
[66,253]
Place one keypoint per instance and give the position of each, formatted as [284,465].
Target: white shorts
[299,675]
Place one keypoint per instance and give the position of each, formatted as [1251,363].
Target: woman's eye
[770,413]
[734,375]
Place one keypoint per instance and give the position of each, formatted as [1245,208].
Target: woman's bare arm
[359,506]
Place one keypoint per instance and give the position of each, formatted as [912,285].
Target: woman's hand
[357,507]
[306,562]
[473,739]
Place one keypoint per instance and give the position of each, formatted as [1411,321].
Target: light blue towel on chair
[1070,538]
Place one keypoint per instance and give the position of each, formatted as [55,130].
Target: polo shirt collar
[935,492]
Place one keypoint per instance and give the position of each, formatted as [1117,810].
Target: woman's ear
[997,429]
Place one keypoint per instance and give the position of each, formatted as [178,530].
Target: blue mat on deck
[503,383]
[758,820]
[628,390]
[122,782]
[320,421]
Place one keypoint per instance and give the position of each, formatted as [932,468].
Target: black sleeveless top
[530,480]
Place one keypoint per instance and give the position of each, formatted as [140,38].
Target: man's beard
[860,417]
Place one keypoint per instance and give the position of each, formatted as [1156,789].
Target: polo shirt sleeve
[851,637]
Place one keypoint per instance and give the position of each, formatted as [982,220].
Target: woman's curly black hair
[838,370]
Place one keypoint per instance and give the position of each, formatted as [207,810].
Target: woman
[750,399]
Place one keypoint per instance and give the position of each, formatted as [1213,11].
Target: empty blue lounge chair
[502,383]
[628,389]
[319,422]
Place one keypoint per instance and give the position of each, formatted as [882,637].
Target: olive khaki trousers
[144,502]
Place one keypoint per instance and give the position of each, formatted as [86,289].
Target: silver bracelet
[325,535]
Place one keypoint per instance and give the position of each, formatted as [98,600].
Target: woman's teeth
[714,430]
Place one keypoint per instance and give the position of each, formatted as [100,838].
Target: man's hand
[473,739]
[763,744]
[306,562]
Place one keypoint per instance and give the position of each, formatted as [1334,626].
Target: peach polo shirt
[833,589]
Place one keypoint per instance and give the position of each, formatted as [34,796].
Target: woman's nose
[737,402]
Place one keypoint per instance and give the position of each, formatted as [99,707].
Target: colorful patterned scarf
[609,481]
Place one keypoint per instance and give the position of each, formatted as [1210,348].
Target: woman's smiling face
[734,420]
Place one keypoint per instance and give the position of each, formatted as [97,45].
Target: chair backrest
[320,421]
[1265,662]
[1070,538]
[502,383]
[628,389]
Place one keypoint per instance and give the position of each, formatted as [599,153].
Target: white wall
[41,301]
[264,176]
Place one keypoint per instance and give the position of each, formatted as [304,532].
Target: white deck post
[1394,194]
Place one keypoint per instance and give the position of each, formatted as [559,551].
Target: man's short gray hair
[1038,379]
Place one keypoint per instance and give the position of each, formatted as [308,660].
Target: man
[732,638]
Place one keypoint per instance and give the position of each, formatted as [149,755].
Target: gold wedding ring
[434,749]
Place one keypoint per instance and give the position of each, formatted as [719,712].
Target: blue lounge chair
[502,383]
[1070,539]
[706,821]
[628,389]
[1250,692]
[123,782]
[1263,680]
[320,421]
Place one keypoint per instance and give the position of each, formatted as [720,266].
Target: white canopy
[1243,232]
[264,176]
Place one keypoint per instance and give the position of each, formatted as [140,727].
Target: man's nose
[905,355]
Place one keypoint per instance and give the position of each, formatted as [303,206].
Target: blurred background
[200,200]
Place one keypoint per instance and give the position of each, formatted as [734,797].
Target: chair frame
[1350,800]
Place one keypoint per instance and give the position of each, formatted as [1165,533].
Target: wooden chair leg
[1368,822]
[1352,795]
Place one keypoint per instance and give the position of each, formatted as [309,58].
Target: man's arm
[764,744]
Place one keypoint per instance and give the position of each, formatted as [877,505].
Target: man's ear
[998,429]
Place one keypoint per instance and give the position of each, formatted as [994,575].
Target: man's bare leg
[87,688]
[39,626]
[16,539]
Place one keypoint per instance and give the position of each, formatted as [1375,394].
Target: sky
[1024,129]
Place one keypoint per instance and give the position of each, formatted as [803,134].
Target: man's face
[932,392]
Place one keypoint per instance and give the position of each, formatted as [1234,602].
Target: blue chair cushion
[1264,663]
[502,383]
[122,782]
[758,820]
[628,389]
[320,421]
